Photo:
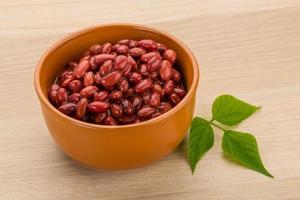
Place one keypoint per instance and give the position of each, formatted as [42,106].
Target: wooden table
[248,48]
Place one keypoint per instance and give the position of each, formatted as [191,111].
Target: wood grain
[248,48]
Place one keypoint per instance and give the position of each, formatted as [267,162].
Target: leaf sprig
[239,146]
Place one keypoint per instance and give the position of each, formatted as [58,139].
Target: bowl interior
[74,45]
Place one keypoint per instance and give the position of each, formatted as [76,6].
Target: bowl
[116,147]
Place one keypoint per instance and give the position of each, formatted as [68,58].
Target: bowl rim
[73,35]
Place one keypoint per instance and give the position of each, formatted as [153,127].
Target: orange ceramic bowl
[116,147]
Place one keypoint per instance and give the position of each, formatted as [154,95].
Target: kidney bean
[122,49]
[121,62]
[147,56]
[129,93]
[98,106]
[88,91]
[65,75]
[158,89]
[165,70]
[154,75]
[175,75]
[97,78]
[67,108]
[147,44]
[144,70]
[146,112]
[132,62]
[132,43]
[72,65]
[127,70]
[110,121]
[180,92]
[164,107]
[127,119]
[106,67]
[146,97]
[101,96]
[74,98]
[137,102]
[95,49]
[169,87]
[174,98]
[123,85]
[54,87]
[137,52]
[135,78]
[115,47]
[161,47]
[170,55]
[154,100]
[89,79]
[154,63]
[62,96]
[52,94]
[65,83]
[99,118]
[127,107]
[111,79]
[81,108]
[94,65]
[81,68]
[106,48]
[75,85]
[116,110]
[100,58]
[116,95]
[143,86]
[123,41]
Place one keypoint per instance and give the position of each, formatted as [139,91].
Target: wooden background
[249,48]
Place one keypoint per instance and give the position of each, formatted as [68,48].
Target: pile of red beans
[128,82]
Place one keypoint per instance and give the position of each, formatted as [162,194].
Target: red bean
[170,55]
[147,56]
[158,89]
[143,86]
[135,78]
[122,49]
[116,110]
[53,97]
[127,107]
[106,68]
[100,58]
[75,85]
[111,79]
[124,41]
[99,118]
[89,79]
[74,98]
[169,87]
[116,95]
[110,121]
[144,70]
[137,52]
[129,93]
[174,99]
[164,107]
[127,119]
[81,68]
[146,112]
[131,62]
[154,75]
[89,91]
[175,75]
[72,65]
[154,100]
[95,49]
[121,62]
[154,63]
[98,106]
[132,43]
[81,108]
[147,44]
[146,97]
[106,48]
[54,87]
[123,85]
[161,47]
[61,96]
[165,70]
[180,92]
[67,108]
[101,96]
[66,82]
[137,102]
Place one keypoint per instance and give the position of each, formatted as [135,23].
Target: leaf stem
[216,125]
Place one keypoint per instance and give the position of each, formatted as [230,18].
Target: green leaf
[231,111]
[201,139]
[242,147]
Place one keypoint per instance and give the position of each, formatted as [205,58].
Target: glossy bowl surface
[116,147]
